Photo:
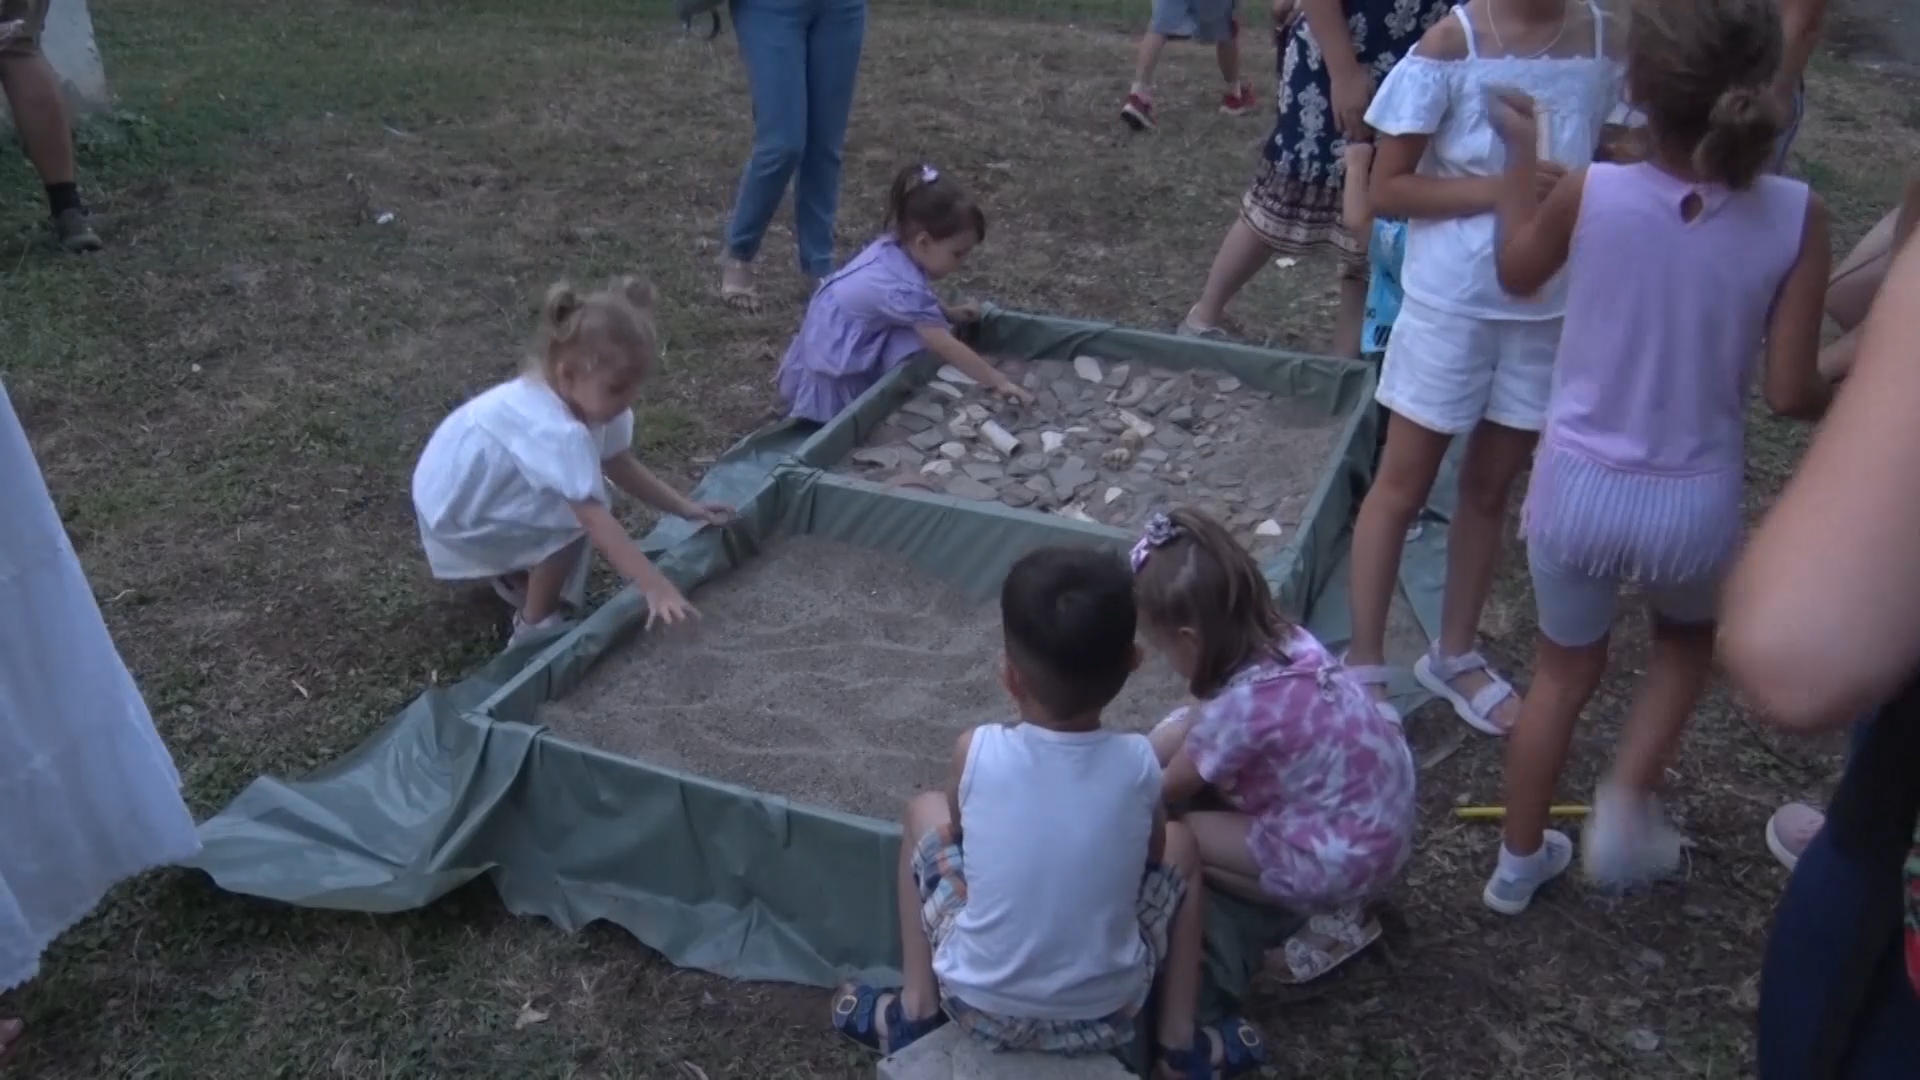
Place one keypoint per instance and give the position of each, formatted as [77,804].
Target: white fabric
[1055,827]
[494,486]
[88,793]
[1447,372]
[1450,261]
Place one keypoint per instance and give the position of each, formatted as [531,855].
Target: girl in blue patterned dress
[1293,206]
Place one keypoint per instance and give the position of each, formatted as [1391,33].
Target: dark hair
[1196,576]
[1069,622]
[1702,71]
[925,200]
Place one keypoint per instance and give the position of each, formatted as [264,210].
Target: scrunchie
[1160,532]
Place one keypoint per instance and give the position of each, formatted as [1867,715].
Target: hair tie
[1160,532]
[928,174]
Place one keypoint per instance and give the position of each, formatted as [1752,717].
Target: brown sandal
[736,285]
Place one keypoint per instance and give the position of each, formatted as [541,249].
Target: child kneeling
[1316,778]
[1044,893]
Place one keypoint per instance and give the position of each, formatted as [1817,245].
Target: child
[1465,358]
[1043,893]
[1329,60]
[1318,782]
[869,316]
[1207,21]
[513,485]
[1681,271]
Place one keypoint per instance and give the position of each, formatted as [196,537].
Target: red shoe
[1138,113]
[1239,102]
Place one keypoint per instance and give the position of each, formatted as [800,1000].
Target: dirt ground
[228,402]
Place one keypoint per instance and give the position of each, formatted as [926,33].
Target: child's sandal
[1239,1046]
[1436,673]
[1371,677]
[859,1011]
[1325,943]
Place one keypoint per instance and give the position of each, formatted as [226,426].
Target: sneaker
[524,631]
[1513,884]
[1791,829]
[75,231]
[1628,840]
[1138,112]
[1239,101]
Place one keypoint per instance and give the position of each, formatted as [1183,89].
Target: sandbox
[822,672]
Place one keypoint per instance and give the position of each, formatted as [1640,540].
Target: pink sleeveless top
[1640,468]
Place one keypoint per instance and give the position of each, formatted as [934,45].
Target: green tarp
[463,782]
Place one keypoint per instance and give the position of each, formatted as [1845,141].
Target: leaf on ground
[528,1017]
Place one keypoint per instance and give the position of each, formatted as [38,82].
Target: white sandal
[1344,935]
[1370,676]
[1437,673]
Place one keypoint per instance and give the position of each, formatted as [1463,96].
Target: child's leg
[1225,859]
[919,991]
[889,1020]
[547,583]
[1352,314]
[1408,464]
[1242,253]
[1180,977]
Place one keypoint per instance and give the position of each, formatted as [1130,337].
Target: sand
[829,674]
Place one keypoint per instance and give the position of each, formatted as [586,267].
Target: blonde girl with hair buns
[512,487]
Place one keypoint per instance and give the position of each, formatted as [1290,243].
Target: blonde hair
[611,330]
[1702,70]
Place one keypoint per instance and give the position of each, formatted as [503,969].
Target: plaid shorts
[939,872]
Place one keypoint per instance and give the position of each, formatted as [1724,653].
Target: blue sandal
[1241,1051]
[858,1012]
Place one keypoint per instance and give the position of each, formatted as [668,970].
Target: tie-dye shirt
[1298,745]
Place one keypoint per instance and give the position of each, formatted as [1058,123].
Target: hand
[1284,12]
[665,604]
[1007,388]
[1515,118]
[964,313]
[1352,93]
[712,513]
[1547,176]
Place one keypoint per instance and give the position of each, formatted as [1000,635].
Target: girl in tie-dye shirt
[1313,783]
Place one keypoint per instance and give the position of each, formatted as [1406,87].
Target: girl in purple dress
[872,314]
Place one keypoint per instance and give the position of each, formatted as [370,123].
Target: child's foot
[1239,101]
[1481,699]
[1374,679]
[1138,112]
[1326,942]
[1221,1049]
[1627,841]
[524,631]
[1518,877]
[876,1020]
[736,285]
[1791,829]
[511,588]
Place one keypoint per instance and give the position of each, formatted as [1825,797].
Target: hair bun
[563,303]
[637,290]
[1744,107]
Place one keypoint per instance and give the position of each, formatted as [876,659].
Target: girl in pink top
[1314,785]
[1682,273]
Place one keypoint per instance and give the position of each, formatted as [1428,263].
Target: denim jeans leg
[773,40]
[833,66]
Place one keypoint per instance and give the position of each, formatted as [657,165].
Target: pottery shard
[921,407]
[937,467]
[982,471]
[1017,495]
[947,390]
[977,413]
[1213,410]
[1268,527]
[1089,369]
[1027,465]
[1154,454]
[1075,512]
[1227,384]
[1117,378]
[953,450]
[1040,486]
[1112,494]
[966,487]
[1052,441]
[879,457]
[926,440]
[1072,475]
[1136,424]
[1135,393]
[1182,415]
[949,373]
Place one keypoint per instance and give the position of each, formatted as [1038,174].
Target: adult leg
[40,115]
[1496,454]
[773,47]
[1145,60]
[1242,253]
[833,68]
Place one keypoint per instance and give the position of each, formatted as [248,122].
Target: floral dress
[1294,203]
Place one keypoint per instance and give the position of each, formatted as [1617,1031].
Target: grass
[228,402]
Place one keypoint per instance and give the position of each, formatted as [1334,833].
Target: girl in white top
[1465,358]
[513,486]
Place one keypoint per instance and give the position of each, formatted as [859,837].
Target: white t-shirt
[1055,828]
[493,486]
[1450,262]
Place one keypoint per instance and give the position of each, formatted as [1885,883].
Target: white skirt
[88,793]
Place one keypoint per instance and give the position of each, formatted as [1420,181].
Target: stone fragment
[1017,495]
[954,375]
[911,423]
[1136,423]
[966,487]
[878,457]
[929,410]
[1031,381]
[927,440]
[1212,410]
[1154,454]
[1076,512]
[1227,384]
[977,413]
[1072,475]
[1052,441]
[1112,494]
[953,450]
[937,467]
[982,471]
[1040,486]
[962,428]
[1112,425]
[1089,369]
[1201,442]
[1169,437]
[1117,458]
[945,390]
[1182,415]
[1067,390]
[1002,439]
[910,479]
[1223,480]
[1117,378]
[1026,465]
[1135,393]
[1269,527]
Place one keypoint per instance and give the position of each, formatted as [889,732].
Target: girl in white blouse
[1465,358]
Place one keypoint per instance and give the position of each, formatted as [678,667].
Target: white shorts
[1448,372]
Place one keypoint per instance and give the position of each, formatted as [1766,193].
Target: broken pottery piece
[1089,369]
[954,375]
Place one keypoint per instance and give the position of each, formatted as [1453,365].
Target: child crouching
[1316,778]
[512,487]
[1044,893]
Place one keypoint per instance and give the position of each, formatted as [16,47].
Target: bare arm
[1327,22]
[1821,619]
[940,342]
[1534,239]
[1792,382]
[962,749]
[1836,360]
[604,531]
[1356,210]
[1398,191]
[1180,781]
[637,480]
[1800,24]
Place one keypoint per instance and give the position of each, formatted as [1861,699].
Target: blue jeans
[802,57]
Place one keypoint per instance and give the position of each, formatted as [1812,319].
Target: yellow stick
[1496,813]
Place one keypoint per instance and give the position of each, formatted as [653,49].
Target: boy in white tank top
[1044,892]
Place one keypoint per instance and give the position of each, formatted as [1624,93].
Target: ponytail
[923,200]
[1741,131]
